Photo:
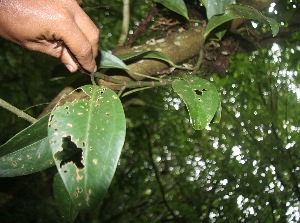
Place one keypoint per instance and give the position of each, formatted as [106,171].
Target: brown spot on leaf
[78,177]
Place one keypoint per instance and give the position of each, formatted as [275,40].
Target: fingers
[63,21]
[83,41]
[56,49]
[75,43]
[89,29]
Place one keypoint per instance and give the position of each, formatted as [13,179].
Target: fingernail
[70,68]
[95,69]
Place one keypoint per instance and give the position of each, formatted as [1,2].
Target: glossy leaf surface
[201,98]
[86,137]
[216,7]
[27,152]
[177,6]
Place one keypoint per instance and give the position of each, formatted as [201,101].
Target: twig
[125,23]
[134,84]
[16,111]
[162,190]
[133,91]
[141,28]
[200,58]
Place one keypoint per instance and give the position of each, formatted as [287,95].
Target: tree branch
[16,111]
[125,23]
[179,47]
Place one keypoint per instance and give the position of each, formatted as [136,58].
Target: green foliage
[177,6]
[27,152]
[240,11]
[86,137]
[64,202]
[146,55]
[246,169]
[201,98]
[216,7]
[107,60]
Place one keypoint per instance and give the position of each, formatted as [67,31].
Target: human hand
[59,28]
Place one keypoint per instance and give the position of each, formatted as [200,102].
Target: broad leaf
[108,60]
[86,137]
[216,7]
[201,98]
[27,152]
[240,11]
[63,200]
[177,6]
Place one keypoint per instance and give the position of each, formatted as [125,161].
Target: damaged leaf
[86,137]
[201,98]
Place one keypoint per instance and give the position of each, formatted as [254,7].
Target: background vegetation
[244,169]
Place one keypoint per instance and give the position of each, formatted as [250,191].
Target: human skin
[59,28]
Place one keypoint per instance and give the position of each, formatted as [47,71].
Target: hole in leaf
[101,91]
[70,154]
[51,117]
[200,92]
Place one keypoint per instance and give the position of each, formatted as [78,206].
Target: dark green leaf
[216,7]
[27,152]
[201,98]
[86,137]
[177,6]
[108,60]
[240,11]
[63,200]
[146,55]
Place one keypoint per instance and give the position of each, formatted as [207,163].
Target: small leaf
[146,55]
[27,152]
[63,200]
[201,98]
[86,137]
[132,55]
[216,7]
[107,60]
[220,34]
[158,56]
[240,11]
[177,6]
